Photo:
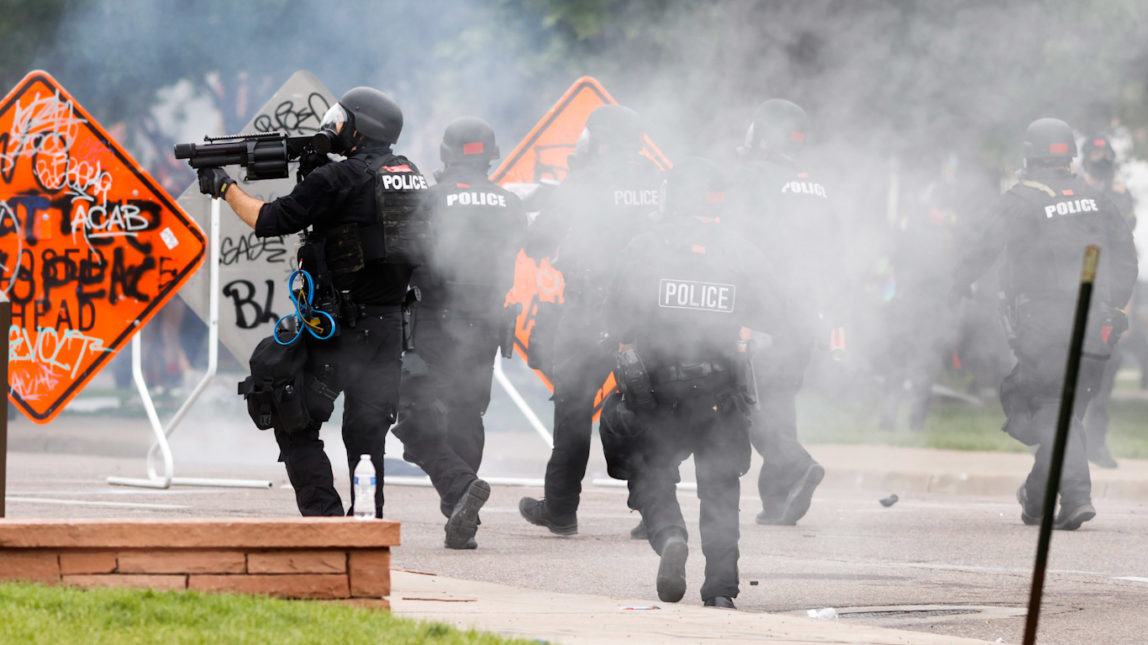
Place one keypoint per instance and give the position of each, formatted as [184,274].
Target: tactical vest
[1061,219]
[399,233]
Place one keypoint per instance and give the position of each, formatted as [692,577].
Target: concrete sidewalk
[576,619]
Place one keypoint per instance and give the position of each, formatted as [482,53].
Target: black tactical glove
[214,181]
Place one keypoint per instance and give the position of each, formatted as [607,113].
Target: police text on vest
[702,296]
[404,182]
[630,197]
[475,198]
[804,188]
[1071,207]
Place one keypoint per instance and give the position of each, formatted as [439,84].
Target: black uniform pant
[363,363]
[445,391]
[1096,421]
[1030,395]
[581,365]
[780,370]
[719,442]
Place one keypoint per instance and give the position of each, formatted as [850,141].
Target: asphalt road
[945,564]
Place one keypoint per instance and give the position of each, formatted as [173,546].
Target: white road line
[77,502]
[1131,578]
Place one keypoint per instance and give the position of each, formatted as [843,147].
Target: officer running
[475,232]
[1042,225]
[350,259]
[606,199]
[680,306]
[786,212]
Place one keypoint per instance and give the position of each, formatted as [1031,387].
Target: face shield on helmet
[336,128]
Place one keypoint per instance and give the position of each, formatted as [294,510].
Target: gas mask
[1101,169]
[337,128]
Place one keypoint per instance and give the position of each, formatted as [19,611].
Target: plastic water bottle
[364,489]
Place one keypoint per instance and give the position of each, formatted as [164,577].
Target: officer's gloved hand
[214,181]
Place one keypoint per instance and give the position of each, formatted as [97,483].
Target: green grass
[32,613]
[952,425]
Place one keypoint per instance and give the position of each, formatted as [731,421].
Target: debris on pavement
[827,613]
[889,501]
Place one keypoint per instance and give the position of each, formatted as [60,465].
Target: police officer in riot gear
[1042,225]
[476,231]
[1098,160]
[605,200]
[786,212]
[680,306]
[358,271]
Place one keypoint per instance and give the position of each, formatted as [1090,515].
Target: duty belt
[378,310]
[687,371]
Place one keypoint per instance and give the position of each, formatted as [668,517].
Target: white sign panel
[254,271]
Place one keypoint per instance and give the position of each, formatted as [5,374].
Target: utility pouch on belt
[1009,320]
[507,328]
[634,381]
[279,393]
[413,297]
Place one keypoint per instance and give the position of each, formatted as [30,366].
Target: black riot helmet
[694,187]
[778,126]
[365,113]
[468,140]
[616,127]
[1049,142]
[1098,158]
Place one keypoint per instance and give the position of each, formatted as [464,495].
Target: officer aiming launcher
[263,156]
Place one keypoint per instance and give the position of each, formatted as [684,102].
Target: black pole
[1067,396]
[5,322]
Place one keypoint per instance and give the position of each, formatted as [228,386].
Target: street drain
[907,613]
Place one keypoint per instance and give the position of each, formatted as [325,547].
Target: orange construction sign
[541,157]
[90,246]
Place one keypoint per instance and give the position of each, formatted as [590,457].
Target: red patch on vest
[1099,143]
[402,168]
[1067,191]
[1105,332]
[797,137]
[1058,148]
[697,248]
[802,175]
[475,148]
[462,185]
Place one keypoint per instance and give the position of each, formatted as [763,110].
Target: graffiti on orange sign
[90,246]
[541,157]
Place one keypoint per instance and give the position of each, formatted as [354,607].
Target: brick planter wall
[317,558]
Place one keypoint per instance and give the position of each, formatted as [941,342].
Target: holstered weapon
[413,297]
[507,328]
[634,381]
[744,374]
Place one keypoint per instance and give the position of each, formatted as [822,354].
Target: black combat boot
[534,511]
[463,522]
[720,602]
[672,569]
